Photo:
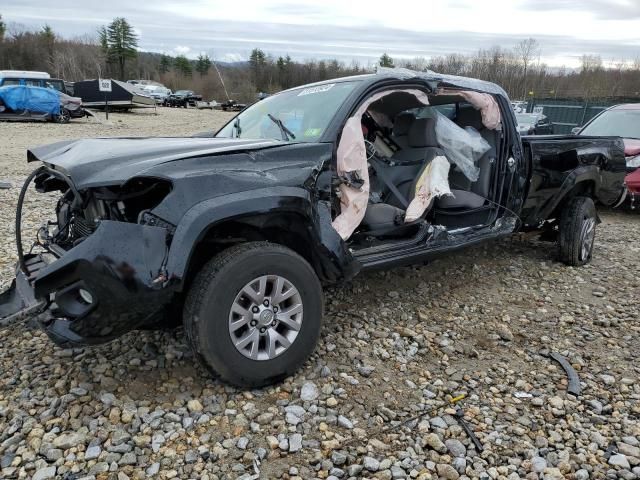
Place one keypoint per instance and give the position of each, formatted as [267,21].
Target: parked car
[534,124]
[183,98]
[307,187]
[21,102]
[623,121]
[32,79]
[157,92]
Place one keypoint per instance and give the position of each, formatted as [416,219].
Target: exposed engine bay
[78,214]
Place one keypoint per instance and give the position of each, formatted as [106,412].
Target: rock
[504,333]
[438,422]
[344,422]
[581,475]
[447,472]
[338,458]
[460,464]
[295,442]
[371,464]
[619,460]
[331,402]
[309,392]
[92,452]
[557,403]
[398,473]
[608,379]
[194,406]
[455,447]
[153,469]
[44,473]
[191,456]
[433,441]
[538,464]
[242,443]
[272,442]
[628,450]
[68,440]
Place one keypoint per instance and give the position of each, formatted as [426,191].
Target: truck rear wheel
[577,231]
[253,313]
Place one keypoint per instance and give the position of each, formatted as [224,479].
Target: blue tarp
[31,99]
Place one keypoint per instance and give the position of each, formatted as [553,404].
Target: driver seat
[403,171]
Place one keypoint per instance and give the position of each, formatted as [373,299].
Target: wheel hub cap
[265,317]
[588,236]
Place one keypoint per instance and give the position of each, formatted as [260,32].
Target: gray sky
[360,30]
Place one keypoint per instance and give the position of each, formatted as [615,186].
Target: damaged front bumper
[109,284]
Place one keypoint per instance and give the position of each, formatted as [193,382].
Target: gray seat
[401,126]
[403,172]
[467,194]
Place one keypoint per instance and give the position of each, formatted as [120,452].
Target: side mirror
[575,130]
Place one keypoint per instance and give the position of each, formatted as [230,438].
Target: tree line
[113,52]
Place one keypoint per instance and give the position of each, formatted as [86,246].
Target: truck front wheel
[253,313]
[577,231]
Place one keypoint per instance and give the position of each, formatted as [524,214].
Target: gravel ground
[374,400]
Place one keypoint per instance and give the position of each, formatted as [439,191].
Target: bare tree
[527,50]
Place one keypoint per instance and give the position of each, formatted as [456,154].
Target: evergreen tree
[203,64]
[3,28]
[165,64]
[47,34]
[119,42]
[183,65]
[257,63]
[386,61]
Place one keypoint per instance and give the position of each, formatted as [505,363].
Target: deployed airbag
[352,158]
[432,183]
[462,146]
[484,102]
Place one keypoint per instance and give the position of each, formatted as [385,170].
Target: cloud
[565,29]
[601,9]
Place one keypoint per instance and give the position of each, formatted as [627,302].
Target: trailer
[123,96]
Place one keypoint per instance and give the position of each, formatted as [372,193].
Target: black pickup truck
[234,235]
[182,98]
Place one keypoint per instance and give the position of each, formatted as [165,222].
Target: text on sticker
[320,89]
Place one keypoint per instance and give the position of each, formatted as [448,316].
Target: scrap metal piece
[465,426]
[5,185]
[574,387]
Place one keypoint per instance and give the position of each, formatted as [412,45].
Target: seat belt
[387,181]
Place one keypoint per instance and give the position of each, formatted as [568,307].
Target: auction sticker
[319,89]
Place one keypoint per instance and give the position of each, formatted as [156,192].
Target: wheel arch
[283,215]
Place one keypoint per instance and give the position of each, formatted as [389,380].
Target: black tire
[212,294]
[577,231]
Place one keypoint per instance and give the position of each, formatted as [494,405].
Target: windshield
[305,112]
[615,123]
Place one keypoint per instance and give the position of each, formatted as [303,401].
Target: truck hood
[112,161]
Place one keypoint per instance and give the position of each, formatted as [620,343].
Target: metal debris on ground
[573,387]
[465,426]
[5,185]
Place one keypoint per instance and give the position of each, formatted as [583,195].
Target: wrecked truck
[232,234]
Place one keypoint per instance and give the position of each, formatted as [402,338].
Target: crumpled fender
[332,260]
[579,175]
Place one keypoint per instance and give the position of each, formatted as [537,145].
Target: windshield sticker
[312,132]
[320,89]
